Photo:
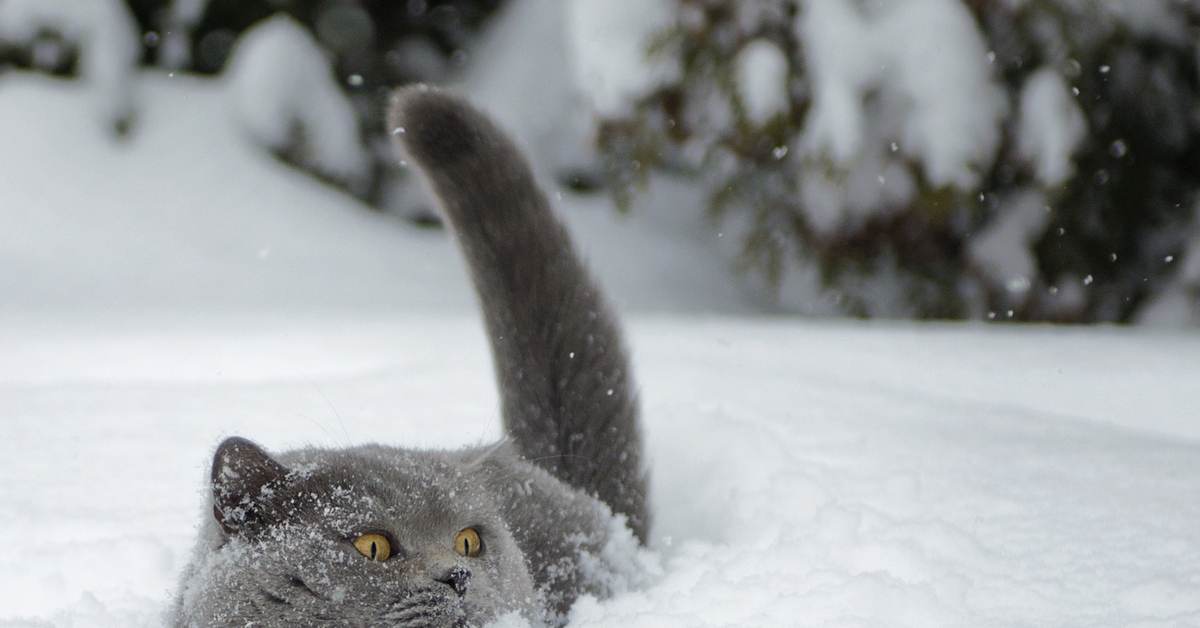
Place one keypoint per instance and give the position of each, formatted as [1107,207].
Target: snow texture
[285,95]
[108,39]
[763,80]
[805,473]
[930,53]
[1051,126]
[169,220]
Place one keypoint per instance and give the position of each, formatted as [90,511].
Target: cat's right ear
[246,483]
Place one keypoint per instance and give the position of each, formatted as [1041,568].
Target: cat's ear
[245,486]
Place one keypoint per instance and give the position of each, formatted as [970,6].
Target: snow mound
[192,216]
[109,46]
[189,215]
[286,96]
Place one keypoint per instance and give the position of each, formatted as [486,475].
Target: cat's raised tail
[568,398]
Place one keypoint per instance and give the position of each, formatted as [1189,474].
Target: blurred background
[999,160]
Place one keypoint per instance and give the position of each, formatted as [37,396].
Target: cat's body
[390,537]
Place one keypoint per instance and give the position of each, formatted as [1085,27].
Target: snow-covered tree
[369,48]
[97,40]
[1010,159]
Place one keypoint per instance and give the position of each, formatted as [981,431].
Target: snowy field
[805,472]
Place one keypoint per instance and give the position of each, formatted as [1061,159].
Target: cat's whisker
[332,408]
[319,426]
[487,453]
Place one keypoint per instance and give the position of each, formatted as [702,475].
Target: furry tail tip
[434,127]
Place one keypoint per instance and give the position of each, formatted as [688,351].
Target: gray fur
[278,549]
[567,393]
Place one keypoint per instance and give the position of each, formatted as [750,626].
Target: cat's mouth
[428,608]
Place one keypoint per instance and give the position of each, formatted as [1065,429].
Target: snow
[1051,126]
[895,84]
[1172,307]
[1003,250]
[530,88]
[108,40]
[175,51]
[817,473]
[159,294]
[284,86]
[927,51]
[547,68]
[1177,304]
[610,41]
[187,215]
[763,80]
[188,11]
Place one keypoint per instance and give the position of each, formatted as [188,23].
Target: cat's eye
[467,543]
[373,546]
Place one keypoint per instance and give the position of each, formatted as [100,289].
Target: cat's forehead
[375,481]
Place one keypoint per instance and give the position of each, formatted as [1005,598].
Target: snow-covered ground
[190,213]
[805,473]
[161,292]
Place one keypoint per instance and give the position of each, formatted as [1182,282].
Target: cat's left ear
[246,485]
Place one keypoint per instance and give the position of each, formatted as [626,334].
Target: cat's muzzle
[457,578]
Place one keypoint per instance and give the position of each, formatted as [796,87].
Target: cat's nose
[457,577]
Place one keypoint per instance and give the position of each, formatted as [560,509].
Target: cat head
[368,536]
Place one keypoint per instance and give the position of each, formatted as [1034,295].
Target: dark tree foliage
[1131,205]
[360,33]
[51,52]
[1116,224]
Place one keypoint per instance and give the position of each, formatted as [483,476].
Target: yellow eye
[467,543]
[373,546]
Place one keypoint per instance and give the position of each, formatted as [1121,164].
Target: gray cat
[383,536]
